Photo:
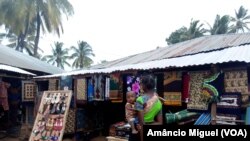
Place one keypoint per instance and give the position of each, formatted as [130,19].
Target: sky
[119,28]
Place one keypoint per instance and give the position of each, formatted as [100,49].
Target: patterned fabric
[81,89]
[172,98]
[229,100]
[29,90]
[213,86]
[4,95]
[133,84]
[172,88]
[70,124]
[198,101]
[237,81]
[115,93]
[53,84]
[229,105]
[90,92]
[107,88]
[99,87]
[226,119]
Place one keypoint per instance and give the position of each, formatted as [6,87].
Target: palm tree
[19,15]
[177,36]
[82,54]
[195,30]
[59,56]
[12,42]
[220,26]
[241,20]
[49,17]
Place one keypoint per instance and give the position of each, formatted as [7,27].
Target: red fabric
[185,87]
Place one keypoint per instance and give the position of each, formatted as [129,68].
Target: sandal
[60,124]
[63,108]
[57,98]
[49,125]
[56,124]
[58,108]
[53,110]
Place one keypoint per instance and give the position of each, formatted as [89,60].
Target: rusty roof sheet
[231,54]
[190,47]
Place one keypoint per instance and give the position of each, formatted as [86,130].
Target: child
[130,111]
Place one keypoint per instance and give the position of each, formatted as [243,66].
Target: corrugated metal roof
[232,54]
[194,46]
[14,69]
[12,57]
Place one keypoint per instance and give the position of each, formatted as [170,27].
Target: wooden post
[213,113]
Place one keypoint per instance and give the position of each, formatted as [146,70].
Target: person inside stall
[148,105]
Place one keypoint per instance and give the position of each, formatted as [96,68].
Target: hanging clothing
[4,95]
[213,85]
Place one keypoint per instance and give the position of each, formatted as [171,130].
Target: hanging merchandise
[90,90]
[99,87]
[185,87]
[29,91]
[70,124]
[81,91]
[107,88]
[172,88]
[115,93]
[51,117]
[4,95]
[53,84]
[237,81]
[213,86]
[198,100]
[229,107]
[133,84]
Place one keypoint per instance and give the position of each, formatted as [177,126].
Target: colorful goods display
[90,89]
[29,91]
[51,117]
[229,108]
[172,88]
[198,101]
[81,92]
[237,81]
[99,87]
[115,92]
[213,86]
[133,84]
[53,84]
